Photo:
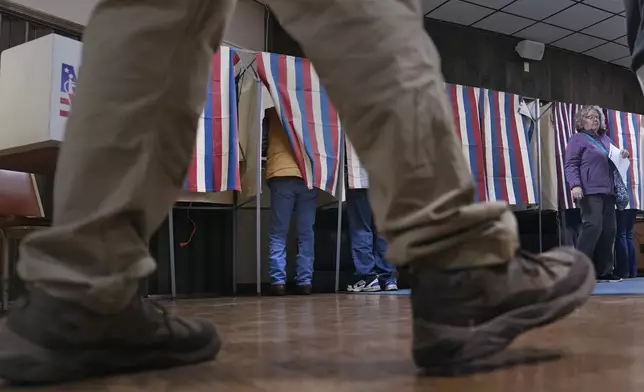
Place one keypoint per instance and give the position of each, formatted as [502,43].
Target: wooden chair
[21,213]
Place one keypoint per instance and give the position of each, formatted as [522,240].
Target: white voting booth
[37,81]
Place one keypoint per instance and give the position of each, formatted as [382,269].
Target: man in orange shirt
[289,194]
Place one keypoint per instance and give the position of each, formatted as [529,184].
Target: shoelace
[524,255]
[150,306]
[358,286]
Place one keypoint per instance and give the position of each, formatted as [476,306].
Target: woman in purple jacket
[590,177]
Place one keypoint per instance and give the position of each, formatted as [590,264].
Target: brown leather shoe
[464,315]
[47,340]
[278,290]
[304,290]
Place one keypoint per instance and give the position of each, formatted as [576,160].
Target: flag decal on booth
[67,86]
[215,162]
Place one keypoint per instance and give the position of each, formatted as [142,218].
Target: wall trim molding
[32,15]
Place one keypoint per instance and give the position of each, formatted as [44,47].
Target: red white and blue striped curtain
[465,107]
[310,121]
[507,149]
[564,127]
[357,177]
[624,129]
[215,161]
[467,121]
[508,172]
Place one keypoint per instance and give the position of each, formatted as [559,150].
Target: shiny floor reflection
[362,343]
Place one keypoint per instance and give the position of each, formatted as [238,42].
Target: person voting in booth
[368,248]
[290,197]
[127,147]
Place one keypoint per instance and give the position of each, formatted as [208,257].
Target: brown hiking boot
[464,315]
[47,340]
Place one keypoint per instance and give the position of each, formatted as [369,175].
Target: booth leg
[173,279]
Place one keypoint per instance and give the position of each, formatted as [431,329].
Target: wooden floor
[361,343]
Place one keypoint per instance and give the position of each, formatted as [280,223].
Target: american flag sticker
[67,87]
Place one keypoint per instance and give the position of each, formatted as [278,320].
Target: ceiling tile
[622,40]
[496,4]
[542,32]
[429,5]
[608,29]
[457,11]
[608,52]
[625,62]
[578,17]
[608,5]
[503,23]
[578,42]
[537,9]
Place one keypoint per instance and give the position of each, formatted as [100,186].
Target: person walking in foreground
[130,138]
[635,38]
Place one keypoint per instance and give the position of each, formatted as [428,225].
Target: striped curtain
[357,177]
[507,150]
[465,108]
[467,121]
[215,161]
[624,129]
[495,143]
[309,119]
[564,126]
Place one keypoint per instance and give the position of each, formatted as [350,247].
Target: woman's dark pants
[598,229]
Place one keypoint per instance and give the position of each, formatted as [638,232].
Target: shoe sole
[24,363]
[454,346]
[366,291]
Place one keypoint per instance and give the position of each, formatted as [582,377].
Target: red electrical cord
[194,229]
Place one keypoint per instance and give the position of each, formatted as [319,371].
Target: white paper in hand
[622,164]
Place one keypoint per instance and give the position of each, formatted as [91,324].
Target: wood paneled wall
[479,58]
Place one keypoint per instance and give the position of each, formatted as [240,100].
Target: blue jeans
[367,247]
[288,195]
[626,254]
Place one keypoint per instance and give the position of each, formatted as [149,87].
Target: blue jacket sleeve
[573,162]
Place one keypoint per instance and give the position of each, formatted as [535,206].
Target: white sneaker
[391,286]
[363,286]
[609,279]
